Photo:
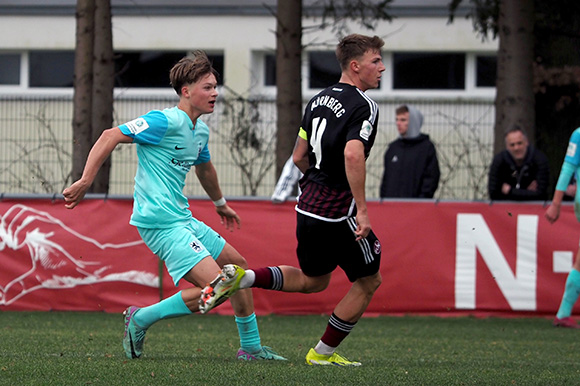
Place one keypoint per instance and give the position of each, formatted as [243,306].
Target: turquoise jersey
[573,151]
[571,167]
[168,146]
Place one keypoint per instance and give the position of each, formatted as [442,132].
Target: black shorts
[324,245]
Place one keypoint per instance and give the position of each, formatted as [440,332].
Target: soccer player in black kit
[333,227]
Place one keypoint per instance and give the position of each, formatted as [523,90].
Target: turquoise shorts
[181,248]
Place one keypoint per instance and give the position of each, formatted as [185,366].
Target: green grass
[66,348]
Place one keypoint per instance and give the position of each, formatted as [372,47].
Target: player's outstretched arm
[100,151]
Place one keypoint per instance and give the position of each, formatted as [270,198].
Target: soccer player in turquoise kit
[570,167]
[169,143]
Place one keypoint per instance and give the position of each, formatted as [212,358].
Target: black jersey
[336,115]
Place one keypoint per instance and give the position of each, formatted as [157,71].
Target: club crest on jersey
[377,247]
[195,246]
[366,130]
[137,125]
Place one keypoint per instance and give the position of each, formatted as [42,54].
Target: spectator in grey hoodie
[411,165]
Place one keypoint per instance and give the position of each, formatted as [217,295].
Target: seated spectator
[520,172]
[411,165]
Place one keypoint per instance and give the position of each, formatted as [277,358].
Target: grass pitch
[69,348]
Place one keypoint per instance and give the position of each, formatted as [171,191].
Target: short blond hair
[190,69]
[355,46]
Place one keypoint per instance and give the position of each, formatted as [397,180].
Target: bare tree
[83,82]
[334,14]
[93,84]
[288,78]
[552,28]
[103,85]
[513,23]
[249,140]
[515,102]
[39,165]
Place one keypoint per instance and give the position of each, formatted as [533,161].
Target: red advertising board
[443,258]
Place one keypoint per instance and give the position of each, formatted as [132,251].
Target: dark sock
[336,330]
[269,278]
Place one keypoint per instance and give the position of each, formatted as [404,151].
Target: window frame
[257,78]
[24,86]
[385,89]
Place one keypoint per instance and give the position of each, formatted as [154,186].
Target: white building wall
[241,38]
[236,36]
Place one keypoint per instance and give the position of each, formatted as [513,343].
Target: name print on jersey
[329,102]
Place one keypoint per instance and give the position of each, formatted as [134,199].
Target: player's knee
[315,284]
[371,283]
[240,261]
[230,256]
[377,281]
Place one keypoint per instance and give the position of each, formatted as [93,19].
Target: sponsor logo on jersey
[571,149]
[366,130]
[137,125]
[185,165]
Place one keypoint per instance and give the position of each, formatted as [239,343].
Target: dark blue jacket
[504,169]
[411,169]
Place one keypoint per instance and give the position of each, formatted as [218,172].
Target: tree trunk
[556,85]
[288,78]
[103,84]
[515,95]
[83,80]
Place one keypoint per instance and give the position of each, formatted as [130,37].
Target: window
[423,73]
[217,61]
[10,69]
[428,71]
[486,71]
[143,69]
[51,68]
[269,70]
[150,69]
[324,69]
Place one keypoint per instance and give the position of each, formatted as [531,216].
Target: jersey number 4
[318,127]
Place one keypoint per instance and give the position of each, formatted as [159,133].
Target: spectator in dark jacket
[519,173]
[411,165]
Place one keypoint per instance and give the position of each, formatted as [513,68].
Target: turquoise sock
[249,334]
[171,307]
[571,293]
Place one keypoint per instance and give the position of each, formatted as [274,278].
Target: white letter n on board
[474,235]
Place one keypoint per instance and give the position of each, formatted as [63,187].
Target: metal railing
[36,144]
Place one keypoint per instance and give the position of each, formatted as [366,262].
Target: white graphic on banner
[51,266]
[474,235]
